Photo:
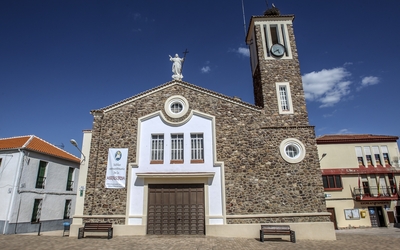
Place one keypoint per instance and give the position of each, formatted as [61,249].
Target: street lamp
[73,142]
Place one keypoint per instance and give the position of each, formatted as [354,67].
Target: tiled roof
[33,143]
[182,83]
[330,139]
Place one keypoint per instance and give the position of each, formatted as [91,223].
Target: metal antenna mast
[244,19]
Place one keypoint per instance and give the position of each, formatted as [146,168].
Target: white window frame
[286,86]
[173,101]
[292,142]
[283,38]
[157,147]
[177,147]
[197,147]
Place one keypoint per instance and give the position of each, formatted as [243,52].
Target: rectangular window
[360,157]
[177,148]
[377,155]
[67,209]
[70,181]
[157,149]
[37,210]
[284,100]
[41,177]
[385,155]
[332,182]
[368,156]
[197,148]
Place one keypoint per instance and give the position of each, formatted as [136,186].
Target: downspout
[14,193]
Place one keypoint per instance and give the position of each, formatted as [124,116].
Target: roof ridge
[28,141]
[182,83]
[33,136]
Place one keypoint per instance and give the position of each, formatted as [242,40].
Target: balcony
[375,193]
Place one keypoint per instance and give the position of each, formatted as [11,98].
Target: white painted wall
[8,175]
[19,175]
[155,125]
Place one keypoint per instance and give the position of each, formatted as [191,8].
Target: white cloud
[369,80]
[343,131]
[327,86]
[243,51]
[137,16]
[205,69]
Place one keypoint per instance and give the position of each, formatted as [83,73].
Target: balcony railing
[377,192]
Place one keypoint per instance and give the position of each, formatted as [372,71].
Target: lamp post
[73,142]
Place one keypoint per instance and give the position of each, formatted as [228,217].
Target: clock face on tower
[277,50]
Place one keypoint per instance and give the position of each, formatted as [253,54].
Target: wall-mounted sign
[352,214]
[116,167]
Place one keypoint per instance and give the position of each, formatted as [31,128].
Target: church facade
[200,162]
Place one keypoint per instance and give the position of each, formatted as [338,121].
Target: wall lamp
[323,155]
[73,142]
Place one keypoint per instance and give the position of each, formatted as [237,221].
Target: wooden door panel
[176,209]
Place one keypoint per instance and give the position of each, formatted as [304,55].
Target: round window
[176,106]
[292,150]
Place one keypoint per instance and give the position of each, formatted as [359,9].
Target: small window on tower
[284,100]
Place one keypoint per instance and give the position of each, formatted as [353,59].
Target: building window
[284,98]
[70,181]
[385,154]
[368,156]
[197,148]
[41,177]
[176,106]
[37,210]
[377,156]
[332,182]
[360,161]
[177,148]
[157,149]
[378,159]
[67,209]
[292,150]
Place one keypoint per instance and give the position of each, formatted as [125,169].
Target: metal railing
[375,191]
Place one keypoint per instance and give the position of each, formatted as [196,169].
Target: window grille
[197,146]
[157,147]
[177,147]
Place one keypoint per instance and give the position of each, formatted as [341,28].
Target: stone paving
[382,238]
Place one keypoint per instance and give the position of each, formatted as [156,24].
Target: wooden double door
[176,209]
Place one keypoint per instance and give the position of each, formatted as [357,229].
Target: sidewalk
[379,238]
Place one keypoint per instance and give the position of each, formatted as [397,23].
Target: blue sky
[61,59]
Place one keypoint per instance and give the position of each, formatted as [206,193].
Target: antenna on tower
[266,3]
[244,19]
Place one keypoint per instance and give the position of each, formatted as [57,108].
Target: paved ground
[382,238]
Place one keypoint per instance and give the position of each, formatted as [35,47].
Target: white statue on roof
[176,67]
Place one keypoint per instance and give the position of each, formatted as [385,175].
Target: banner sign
[116,167]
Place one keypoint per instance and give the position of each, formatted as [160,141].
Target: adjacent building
[361,174]
[37,185]
[200,162]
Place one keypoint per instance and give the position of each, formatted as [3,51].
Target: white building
[37,187]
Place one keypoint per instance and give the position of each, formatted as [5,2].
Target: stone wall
[257,179]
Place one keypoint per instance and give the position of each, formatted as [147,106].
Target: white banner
[116,167]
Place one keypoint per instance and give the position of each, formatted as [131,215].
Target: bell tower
[275,69]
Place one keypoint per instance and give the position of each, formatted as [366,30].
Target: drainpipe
[14,192]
